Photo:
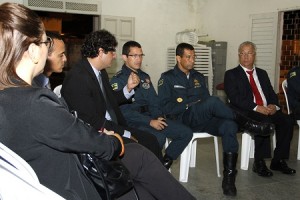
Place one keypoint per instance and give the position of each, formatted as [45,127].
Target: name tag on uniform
[178,86]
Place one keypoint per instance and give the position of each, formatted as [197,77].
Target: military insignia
[179,99]
[114,86]
[196,83]
[160,82]
[292,74]
[146,85]
[147,80]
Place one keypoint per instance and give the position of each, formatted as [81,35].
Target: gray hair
[246,43]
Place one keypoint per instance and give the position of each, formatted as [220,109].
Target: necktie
[109,108]
[254,88]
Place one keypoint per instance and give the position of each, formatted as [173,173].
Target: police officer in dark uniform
[144,112]
[293,92]
[183,95]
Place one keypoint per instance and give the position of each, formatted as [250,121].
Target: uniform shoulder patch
[115,86]
[160,82]
[292,74]
[118,73]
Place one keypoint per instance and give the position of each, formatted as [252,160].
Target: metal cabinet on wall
[219,53]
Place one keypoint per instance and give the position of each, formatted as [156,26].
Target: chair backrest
[56,90]
[284,88]
[19,181]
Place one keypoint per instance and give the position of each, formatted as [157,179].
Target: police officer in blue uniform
[144,112]
[183,95]
[293,92]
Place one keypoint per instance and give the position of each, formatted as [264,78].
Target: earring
[35,61]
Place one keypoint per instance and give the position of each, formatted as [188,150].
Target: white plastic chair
[56,90]
[247,150]
[19,181]
[188,156]
[284,88]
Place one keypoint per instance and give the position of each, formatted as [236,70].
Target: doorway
[290,49]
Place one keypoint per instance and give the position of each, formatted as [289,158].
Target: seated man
[249,90]
[87,91]
[184,96]
[55,62]
[293,80]
[144,112]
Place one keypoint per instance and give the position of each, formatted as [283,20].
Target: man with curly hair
[87,91]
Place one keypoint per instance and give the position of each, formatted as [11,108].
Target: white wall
[158,21]
[12,1]
[229,20]
[156,24]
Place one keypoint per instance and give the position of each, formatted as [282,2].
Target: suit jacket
[36,126]
[238,89]
[82,92]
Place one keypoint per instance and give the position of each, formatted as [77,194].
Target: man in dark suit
[250,91]
[87,91]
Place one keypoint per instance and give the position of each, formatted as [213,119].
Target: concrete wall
[156,24]
[158,21]
[229,20]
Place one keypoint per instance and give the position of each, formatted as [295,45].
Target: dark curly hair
[98,39]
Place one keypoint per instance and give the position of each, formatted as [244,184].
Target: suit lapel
[244,79]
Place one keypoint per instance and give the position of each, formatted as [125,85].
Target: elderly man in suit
[250,91]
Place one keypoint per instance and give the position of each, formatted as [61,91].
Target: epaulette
[118,73]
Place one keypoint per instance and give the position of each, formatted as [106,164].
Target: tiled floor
[203,182]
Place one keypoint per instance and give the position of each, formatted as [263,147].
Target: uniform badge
[146,85]
[196,83]
[179,99]
[114,86]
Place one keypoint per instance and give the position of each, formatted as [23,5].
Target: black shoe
[167,162]
[282,166]
[251,126]
[261,169]
[258,128]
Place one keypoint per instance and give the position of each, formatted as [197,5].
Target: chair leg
[298,154]
[274,141]
[251,155]
[184,163]
[245,152]
[217,156]
[193,154]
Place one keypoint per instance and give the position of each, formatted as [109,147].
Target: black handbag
[110,177]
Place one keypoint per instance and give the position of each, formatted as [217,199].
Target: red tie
[255,91]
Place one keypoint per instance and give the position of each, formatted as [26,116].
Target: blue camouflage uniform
[145,107]
[188,100]
[293,92]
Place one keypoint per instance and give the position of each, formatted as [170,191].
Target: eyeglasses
[135,56]
[246,54]
[48,42]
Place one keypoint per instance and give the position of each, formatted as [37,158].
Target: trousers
[152,180]
[213,116]
[180,135]
[284,133]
